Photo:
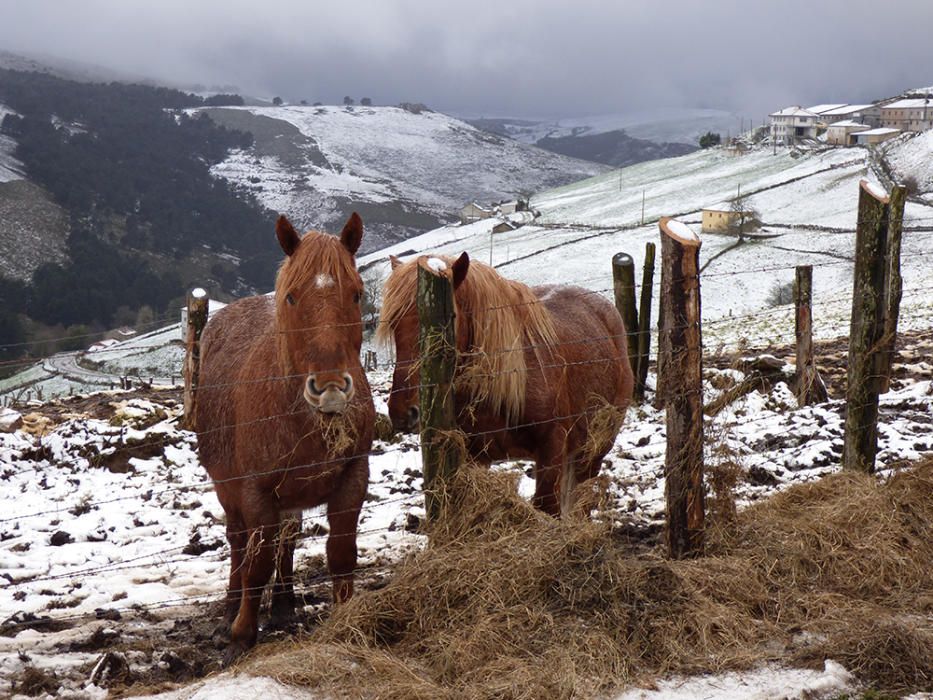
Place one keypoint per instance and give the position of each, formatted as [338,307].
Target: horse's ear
[461,266]
[287,235]
[394,261]
[352,233]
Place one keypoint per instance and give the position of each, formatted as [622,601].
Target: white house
[793,123]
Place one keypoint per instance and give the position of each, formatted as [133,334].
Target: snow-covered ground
[111,535]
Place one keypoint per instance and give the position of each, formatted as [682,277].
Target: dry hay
[508,603]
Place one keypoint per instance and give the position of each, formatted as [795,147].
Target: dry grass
[508,603]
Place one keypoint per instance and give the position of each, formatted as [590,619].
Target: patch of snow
[681,230]
[437,265]
[770,683]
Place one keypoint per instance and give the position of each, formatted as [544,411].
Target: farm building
[865,113]
[873,136]
[842,133]
[913,114]
[474,212]
[719,220]
[504,227]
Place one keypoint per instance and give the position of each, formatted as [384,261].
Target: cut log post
[682,389]
[644,322]
[197,319]
[440,453]
[810,386]
[866,359]
[623,284]
[893,284]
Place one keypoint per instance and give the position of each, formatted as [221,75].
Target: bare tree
[743,218]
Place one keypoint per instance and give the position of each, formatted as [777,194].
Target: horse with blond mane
[542,372]
[285,420]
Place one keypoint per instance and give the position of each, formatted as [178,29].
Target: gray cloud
[511,57]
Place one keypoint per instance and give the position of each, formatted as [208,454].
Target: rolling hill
[404,170]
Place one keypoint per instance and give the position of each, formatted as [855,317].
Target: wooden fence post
[869,350]
[810,386]
[623,284]
[644,322]
[197,319]
[683,388]
[440,456]
[893,286]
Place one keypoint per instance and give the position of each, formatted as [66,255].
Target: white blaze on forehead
[323,280]
[437,264]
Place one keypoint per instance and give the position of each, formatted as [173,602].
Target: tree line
[132,171]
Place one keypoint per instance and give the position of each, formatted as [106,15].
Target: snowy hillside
[807,202]
[404,172]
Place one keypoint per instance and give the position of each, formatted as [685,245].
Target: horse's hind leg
[549,469]
[236,536]
[255,572]
[343,512]
[282,611]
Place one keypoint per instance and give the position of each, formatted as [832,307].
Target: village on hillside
[854,124]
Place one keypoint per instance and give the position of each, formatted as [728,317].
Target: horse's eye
[290,300]
[357,297]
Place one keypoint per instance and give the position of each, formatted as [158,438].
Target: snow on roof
[794,111]
[911,103]
[848,123]
[845,109]
[878,132]
[822,109]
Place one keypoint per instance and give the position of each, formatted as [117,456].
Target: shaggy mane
[501,317]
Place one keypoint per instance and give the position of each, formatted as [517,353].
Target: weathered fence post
[810,386]
[197,319]
[440,455]
[644,322]
[681,354]
[893,286]
[873,325]
[623,284]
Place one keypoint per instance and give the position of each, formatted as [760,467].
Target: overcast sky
[502,57]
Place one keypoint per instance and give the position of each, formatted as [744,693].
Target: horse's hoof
[234,651]
[283,622]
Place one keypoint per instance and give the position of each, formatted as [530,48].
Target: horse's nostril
[312,387]
[348,384]
[413,415]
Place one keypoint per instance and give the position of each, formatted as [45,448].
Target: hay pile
[508,603]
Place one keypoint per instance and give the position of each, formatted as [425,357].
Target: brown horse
[285,420]
[543,372]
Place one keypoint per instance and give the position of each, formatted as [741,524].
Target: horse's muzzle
[332,397]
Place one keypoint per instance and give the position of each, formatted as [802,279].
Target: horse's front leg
[255,571]
[343,512]
[282,610]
